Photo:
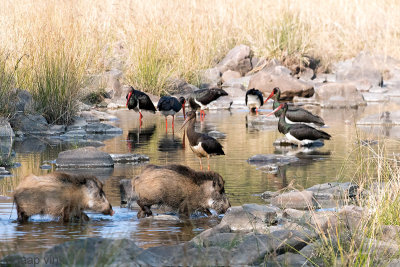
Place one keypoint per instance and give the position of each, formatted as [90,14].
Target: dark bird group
[293,121]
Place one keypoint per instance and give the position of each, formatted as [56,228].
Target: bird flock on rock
[294,122]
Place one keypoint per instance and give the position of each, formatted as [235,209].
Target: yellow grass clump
[154,40]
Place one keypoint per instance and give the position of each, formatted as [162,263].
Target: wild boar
[60,195]
[180,188]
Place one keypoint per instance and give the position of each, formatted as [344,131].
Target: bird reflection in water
[169,143]
[140,137]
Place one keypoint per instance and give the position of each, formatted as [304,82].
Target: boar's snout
[220,203]
[109,211]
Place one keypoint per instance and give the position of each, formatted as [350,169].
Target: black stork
[254,99]
[294,114]
[139,101]
[199,99]
[169,106]
[201,144]
[301,134]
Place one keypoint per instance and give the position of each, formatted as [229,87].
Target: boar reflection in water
[180,188]
[60,195]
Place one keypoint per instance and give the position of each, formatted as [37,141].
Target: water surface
[243,139]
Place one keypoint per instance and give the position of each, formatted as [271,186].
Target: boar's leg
[184,209]
[22,217]
[145,209]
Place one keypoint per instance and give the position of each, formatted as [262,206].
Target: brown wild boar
[60,195]
[181,189]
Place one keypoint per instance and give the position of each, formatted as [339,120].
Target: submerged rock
[267,159]
[129,158]
[86,157]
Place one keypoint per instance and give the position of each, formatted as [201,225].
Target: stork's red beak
[271,95]
[184,123]
[275,110]
[129,97]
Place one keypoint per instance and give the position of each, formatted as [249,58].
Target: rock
[241,83]
[249,219]
[5,128]
[112,81]
[380,249]
[210,78]
[268,194]
[165,253]
[162,217]
[238,59]
[96,116]
[213,256]
[375,97]
[57,129]
[325,78]
[295,200]
[45,167]
[338,95]
[87,157]
[389,232]
[338,190]
[216,134]
[79,123]
[82,106]
[351,217]
[74,134]
[229,75]
[24,101]
[102,128]
[129,158]
[261,160]
[254,247]
[267,214]
[30,145]
[223,102]
[210,233]
[179,87]
[29,124]
[223,240]
[294,214]
[4,172]
[289,259]
[101,251]
[267,79]
[360,69]
[306,74]
[384,118]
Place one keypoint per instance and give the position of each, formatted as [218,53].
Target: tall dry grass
[154,40]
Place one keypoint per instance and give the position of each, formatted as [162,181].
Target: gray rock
[24,101]
[240,219]
[165,253]
[57,129]
[102,128]
[210,78]
[238,59]
[223,240]
[362,68]
[96,116]
[112,80]
[210,233]
[5,128]
[295,200]
[267,79]
[306,74]
[216,134]
[162,217]
[375,97]
[338,190]
[29,145]
[266,159]
[229,75]
[4,172]
[212,256]
[79,123]
[29,124]
[45,167]
[389,233]
[289,259]
[254,247]
[267,214]
[97,251]
[179,87]
[129,158]
[74,134]
[268,194]
[223,102]
[241,83]
[87,157]
[338,95]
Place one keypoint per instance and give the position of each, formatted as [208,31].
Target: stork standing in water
[199,99]
[294,114]
[169,106]
[201,144]
[301,134]
[254,100]
[139,101]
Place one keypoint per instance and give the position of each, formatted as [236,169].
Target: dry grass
[153,40]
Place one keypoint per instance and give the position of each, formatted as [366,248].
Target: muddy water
[243,139]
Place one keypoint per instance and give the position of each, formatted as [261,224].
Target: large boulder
[179,87]
[296,200]
[210,78]
[238,59]
[230,74]
[339,95]
[364,71]
[24,101]
[278,76]
[29,124]
[86,157]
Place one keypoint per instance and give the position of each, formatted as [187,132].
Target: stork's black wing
[256,93]
[210,145]
[145,102]
[303,131]
[205,96]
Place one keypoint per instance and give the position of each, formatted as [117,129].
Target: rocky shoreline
[289,231]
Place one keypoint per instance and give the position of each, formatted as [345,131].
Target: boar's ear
[91,184]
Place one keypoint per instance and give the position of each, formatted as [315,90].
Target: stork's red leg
[256,111]
[201,165]
[173,119]
[166,125]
